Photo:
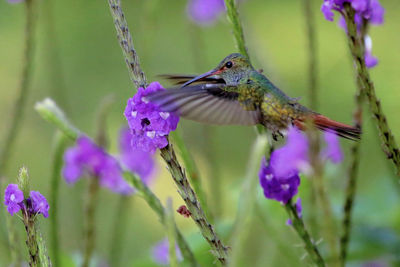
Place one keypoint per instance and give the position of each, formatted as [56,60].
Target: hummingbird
[234,93]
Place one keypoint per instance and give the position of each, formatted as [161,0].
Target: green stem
[312,53]
[193,204]
[118,233]
[168,153]
[90,211]
[126,43]
[60,145]
[247,201]
[352,173]
[171,233]
[321,194]
[356,45]
[299,227]
[54,68]
[233,17]
[348,206]
[192,170]
[90,220]
[22,93]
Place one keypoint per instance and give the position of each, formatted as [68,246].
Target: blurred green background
[78,62]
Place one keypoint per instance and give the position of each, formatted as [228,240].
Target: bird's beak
[202,76]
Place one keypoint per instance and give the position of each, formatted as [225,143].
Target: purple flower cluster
[280,177]
[160,252]
[149,125]
[366,10]
[15,201]
[205,12]
[87,158]
[370,10]
[136,160]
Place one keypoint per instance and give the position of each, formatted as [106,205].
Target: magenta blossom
[149,125]
[86,158]
[39,203]
[13,198]
[279,188]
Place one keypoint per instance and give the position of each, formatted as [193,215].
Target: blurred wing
[181,79]
[207,103]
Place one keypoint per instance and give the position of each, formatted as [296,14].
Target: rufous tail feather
[325,124]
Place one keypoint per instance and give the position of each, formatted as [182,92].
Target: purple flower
[87,158]
[280,188]
[332,150]
[370,10]
[299,209]
[287,160]
[134,159]
[13,198]
[161,252]
[39,203]
[205,12]
[149,125]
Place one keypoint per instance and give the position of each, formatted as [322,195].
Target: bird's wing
[178,79]
[207,103]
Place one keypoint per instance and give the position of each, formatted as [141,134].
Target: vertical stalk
[118,233]
[93,191]
[17,112]
[54,67]
[355,162]
[60,145]
[90,220]
[193,204]
[168,153]
[233,16]
[312,53]
[192,171]
[170,225]
[312,69]
[356,46]
[247,200]
[299,227]
[329,227]
[125,40]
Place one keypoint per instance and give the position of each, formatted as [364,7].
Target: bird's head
[233,69]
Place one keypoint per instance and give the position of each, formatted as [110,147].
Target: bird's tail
[325,124]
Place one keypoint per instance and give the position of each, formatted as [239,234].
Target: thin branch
[312,53]
[126,43]
[299,227]
[233,16]
[356,45]
[18,107]
[168,153]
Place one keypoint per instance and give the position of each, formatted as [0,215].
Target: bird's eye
[229,64]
